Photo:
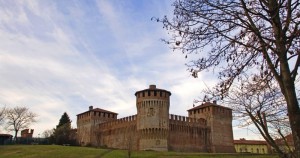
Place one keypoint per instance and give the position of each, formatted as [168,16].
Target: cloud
[63,56]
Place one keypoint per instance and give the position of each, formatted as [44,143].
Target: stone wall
[219,120]
[207,129]
[120,133]
[87,124]
[188,134]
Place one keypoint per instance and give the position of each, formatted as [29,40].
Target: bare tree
[261,104]
[260,38]
[19,118]
[2,114]
[47,133]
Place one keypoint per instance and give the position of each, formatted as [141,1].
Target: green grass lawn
[55,151]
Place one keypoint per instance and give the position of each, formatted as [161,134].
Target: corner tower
[219,119]
[153,118]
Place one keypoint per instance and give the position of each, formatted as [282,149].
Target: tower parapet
[219,119]
[87,123]
[208,127]
[153,118]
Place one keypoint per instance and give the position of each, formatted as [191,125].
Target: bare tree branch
[19,118]
[254,39]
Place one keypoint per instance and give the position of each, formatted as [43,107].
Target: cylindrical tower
[153,118]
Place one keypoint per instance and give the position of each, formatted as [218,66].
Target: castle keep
[208,127]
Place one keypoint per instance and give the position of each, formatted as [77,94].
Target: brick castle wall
[207,129]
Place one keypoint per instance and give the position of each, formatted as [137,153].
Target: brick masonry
[208,127]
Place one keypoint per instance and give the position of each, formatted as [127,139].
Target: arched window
[241,150]
[257,150]
[263,150]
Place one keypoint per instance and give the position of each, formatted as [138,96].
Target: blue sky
[63,56]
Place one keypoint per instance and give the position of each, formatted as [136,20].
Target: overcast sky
[63,56]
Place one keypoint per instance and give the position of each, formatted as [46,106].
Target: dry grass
[55,151]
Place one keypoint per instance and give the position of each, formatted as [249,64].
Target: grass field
[55,151]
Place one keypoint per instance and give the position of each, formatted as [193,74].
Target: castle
[208,127]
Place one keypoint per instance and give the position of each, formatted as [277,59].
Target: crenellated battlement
[27,133]
[119,122]
[153,92]
[176,119]
[207,128]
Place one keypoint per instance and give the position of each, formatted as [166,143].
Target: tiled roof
[152,88]
[250,142]
[102,110]
[99,110]
[206,104]
[5,135]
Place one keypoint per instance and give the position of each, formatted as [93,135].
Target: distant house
[251,146]
[5,138]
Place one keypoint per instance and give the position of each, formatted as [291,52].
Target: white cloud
[59,59]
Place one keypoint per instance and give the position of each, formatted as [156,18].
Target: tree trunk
[289,92]
[16,136]
[294,117]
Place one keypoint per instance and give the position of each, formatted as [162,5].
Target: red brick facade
[27,133]
[207,129]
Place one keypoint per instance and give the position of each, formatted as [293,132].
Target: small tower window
[143,94]
[155,93]
[151,112]
[149,93]
[160,94]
